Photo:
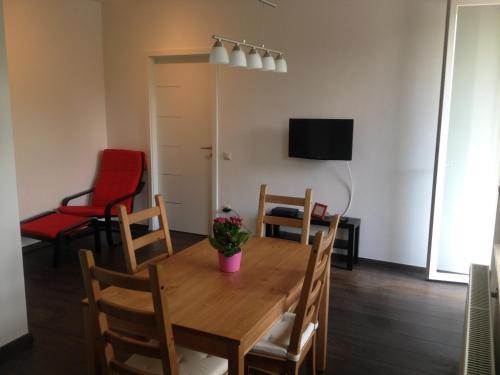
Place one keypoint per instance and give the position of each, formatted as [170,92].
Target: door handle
[206,148]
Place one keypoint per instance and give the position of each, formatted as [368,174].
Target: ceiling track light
[238,58]
[268,63]
[254,60]
[219,55]
[281,66]
[267,2]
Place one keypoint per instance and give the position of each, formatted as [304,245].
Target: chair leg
[109,232]
[311,358]
[57,250]
[97,236]
[290,368]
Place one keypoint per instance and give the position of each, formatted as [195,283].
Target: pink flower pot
[230,264]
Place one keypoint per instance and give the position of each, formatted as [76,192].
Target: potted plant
[228,237]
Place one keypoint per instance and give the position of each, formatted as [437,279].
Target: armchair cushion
[119,174]
[86,211]
[51,225]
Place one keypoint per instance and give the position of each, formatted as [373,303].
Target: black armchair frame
[69,198]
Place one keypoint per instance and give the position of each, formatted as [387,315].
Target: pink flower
[220,220]
[236,220]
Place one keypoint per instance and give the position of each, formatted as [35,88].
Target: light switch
[227,155]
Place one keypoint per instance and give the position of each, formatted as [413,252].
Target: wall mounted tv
[320,139]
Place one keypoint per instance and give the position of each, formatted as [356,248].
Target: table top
[229,305]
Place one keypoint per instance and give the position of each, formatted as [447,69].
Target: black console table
[352,225]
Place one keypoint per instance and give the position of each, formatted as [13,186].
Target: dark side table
[352,225]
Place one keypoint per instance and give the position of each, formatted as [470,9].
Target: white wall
[377,62]
[13,320]
[58,102]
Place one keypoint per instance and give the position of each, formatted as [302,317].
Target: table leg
[322,333]
[350,250]
[57,250]
[276,231]
[269,230]
[90,347]
[236,361]
[356,246]
[97,236]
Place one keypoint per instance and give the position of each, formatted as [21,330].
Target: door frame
[441,140]
[152,138]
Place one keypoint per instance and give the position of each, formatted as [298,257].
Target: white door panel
[171,161]
[176,216]
[171,102]
[169,131]
[172,188]
[184,116]
[173,76]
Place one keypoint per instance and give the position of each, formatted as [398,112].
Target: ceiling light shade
[218,55]
[254,60]
[281,66]
[238,57]
[268,63]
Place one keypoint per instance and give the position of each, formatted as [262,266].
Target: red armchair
[118,181]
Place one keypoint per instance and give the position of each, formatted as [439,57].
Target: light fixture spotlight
[268,63]
[281,66]
[254,60]
[238,57]
[218,55]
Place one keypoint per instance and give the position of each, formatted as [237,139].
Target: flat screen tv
[320,139]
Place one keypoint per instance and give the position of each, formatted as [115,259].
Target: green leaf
[228,238]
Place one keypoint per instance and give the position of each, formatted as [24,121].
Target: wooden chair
[304,223]
[130,245]
[292,339]
[149,333]
[322,334]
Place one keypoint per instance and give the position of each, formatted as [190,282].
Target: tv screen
[320,139]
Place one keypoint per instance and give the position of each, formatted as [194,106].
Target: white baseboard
[26,241]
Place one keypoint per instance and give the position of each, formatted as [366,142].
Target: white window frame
[442,137]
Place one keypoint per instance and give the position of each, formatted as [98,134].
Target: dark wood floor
[382,320]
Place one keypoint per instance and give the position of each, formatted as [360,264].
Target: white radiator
[478,357]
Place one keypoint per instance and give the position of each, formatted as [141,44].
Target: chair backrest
[304,223]
[130,245]
[120,173]
[314,283]
[152,327]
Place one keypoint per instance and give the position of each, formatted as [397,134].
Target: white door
[184,100]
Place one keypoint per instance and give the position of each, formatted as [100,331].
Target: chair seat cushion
[86,211]
[190,363]
[276,341]
[51,225]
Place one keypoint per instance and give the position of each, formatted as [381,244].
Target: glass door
[467,165]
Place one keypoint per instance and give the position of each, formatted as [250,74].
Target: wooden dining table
[225,314]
